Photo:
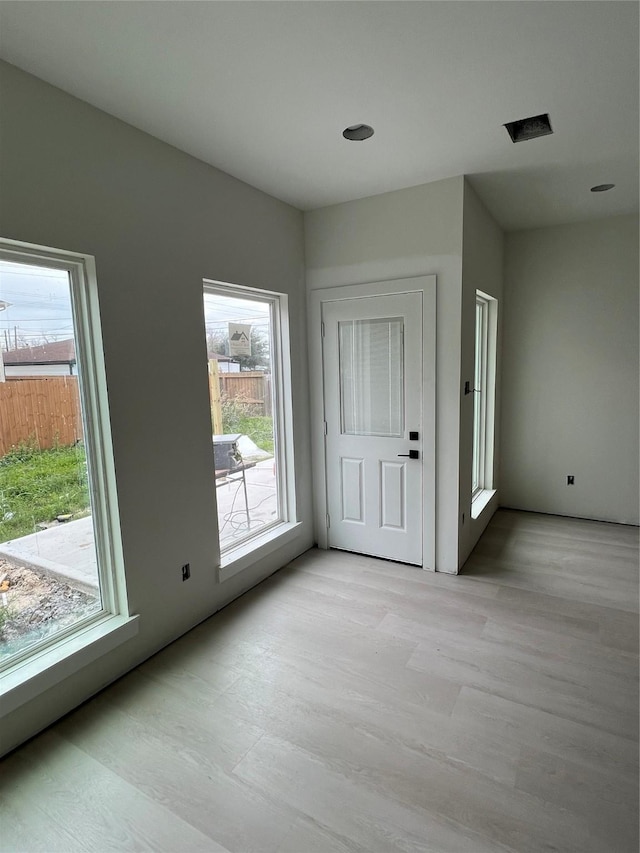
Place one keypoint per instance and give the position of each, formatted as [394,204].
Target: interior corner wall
[157,221]
[482,269]
[401,234]
[570,370]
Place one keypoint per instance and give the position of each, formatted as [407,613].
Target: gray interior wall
[482,269]
[412,232]
[570,374]
[157,222]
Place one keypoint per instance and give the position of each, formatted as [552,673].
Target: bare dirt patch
[34,606]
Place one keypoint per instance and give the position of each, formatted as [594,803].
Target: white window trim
[49,666]
[485,385]
[239,557]
[481,501]
[246,554]
[45,663]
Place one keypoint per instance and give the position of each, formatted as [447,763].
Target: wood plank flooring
[349,704]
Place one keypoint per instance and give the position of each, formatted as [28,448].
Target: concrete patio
[261,502]
[67,551]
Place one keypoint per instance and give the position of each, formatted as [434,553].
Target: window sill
[30,678]
[480,502]
[247,554]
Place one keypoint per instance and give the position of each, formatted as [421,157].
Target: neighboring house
[57,358]
[225,363]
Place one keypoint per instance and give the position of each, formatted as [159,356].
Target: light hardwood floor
[351,704]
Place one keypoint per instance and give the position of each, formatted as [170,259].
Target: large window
[484,393]
[250,418]
[57,506]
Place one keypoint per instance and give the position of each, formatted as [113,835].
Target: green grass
[38,485]
[240,417]
[259,429]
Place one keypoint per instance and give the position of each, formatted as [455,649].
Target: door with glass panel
[372,361]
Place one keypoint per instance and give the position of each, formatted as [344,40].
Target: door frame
[426,285]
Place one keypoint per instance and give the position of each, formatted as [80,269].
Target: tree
[218,342]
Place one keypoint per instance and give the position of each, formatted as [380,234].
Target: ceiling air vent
[529,128]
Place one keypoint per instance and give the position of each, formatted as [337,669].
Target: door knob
[412,454]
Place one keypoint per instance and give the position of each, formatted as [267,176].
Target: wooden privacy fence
[45,411]
[252,387]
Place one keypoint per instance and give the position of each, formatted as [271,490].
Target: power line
[30,271]
[17,320]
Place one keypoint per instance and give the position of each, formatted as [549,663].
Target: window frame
[239,556]
[92,388]
[485,349]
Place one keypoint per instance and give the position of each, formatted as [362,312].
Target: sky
[219,311]
[38,304]
[35,303]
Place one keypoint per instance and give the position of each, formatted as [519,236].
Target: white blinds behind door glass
[371,356]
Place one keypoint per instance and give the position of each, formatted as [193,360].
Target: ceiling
[263,90]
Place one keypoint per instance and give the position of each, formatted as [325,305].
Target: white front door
[372,363]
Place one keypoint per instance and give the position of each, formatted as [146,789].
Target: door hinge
[328,521]
[325,428]
[322,328]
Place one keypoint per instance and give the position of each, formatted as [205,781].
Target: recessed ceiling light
[602,188]
[529,128]
[357,132]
